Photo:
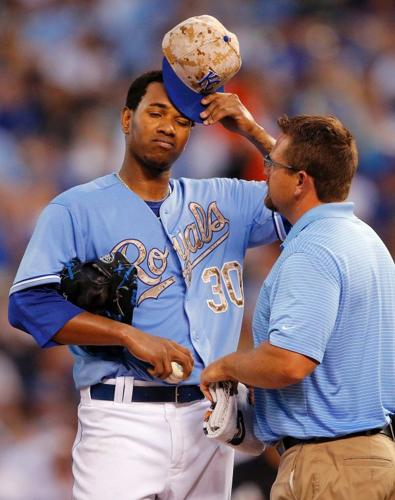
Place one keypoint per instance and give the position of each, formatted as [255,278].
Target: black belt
[289,441]
[151,394]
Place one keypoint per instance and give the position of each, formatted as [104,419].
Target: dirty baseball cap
[200,56]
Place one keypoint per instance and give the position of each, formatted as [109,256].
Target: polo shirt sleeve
[304,304]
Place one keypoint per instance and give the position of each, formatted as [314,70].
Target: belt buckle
[177,394]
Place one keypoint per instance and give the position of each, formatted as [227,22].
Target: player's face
[156,132]
[280,180]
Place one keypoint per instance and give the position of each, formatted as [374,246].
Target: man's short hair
[139,86]
[325,149]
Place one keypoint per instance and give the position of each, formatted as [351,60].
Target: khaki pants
[359,468]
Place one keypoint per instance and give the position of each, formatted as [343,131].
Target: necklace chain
[123,182]
[130,189]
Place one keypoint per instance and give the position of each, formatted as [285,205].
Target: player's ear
[126,118]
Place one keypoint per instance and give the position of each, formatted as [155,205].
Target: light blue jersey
[331,297]
[189,262]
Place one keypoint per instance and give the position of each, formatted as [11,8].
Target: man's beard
[154,167]
[269,202]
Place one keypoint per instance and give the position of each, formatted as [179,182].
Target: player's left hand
[230,111]
[215,372]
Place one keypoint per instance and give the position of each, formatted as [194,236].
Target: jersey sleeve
[303,306]
[54,242]
[263,225]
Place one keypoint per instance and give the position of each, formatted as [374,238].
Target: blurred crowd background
[65,67]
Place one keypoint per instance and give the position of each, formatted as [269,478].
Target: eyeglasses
[269,164]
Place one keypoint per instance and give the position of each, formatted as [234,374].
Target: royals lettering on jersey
[189,262]
[154,260]
[197,238]
[200,235]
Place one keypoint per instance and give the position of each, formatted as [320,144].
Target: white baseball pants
[136,451]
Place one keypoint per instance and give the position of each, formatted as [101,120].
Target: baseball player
[140,437]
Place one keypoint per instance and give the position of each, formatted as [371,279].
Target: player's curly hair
[325,149]
[139,86]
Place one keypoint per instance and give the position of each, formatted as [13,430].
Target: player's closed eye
[184,123]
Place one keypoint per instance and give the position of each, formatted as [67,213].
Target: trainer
[324,328]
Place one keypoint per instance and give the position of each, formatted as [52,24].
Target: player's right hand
[159,352]
[230,111]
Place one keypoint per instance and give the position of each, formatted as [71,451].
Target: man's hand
[159,352]
[229,110]
[215,372]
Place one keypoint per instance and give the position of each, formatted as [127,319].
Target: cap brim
[183,98]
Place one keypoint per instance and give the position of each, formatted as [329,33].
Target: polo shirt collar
[324,211]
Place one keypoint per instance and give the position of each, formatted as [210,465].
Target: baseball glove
[106,286]
[230,418]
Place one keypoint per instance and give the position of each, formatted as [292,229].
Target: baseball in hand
[176,375]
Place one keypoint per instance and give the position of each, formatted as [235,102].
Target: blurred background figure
[65,67]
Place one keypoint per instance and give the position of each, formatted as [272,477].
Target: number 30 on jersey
[226,284]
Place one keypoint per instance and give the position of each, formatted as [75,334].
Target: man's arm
[91,329]
[267,366]
[51,320]
[308,322]
[229,110]
[233,115]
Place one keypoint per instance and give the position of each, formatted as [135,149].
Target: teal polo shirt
[331,297]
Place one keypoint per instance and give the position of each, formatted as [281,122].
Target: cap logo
[209,82]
